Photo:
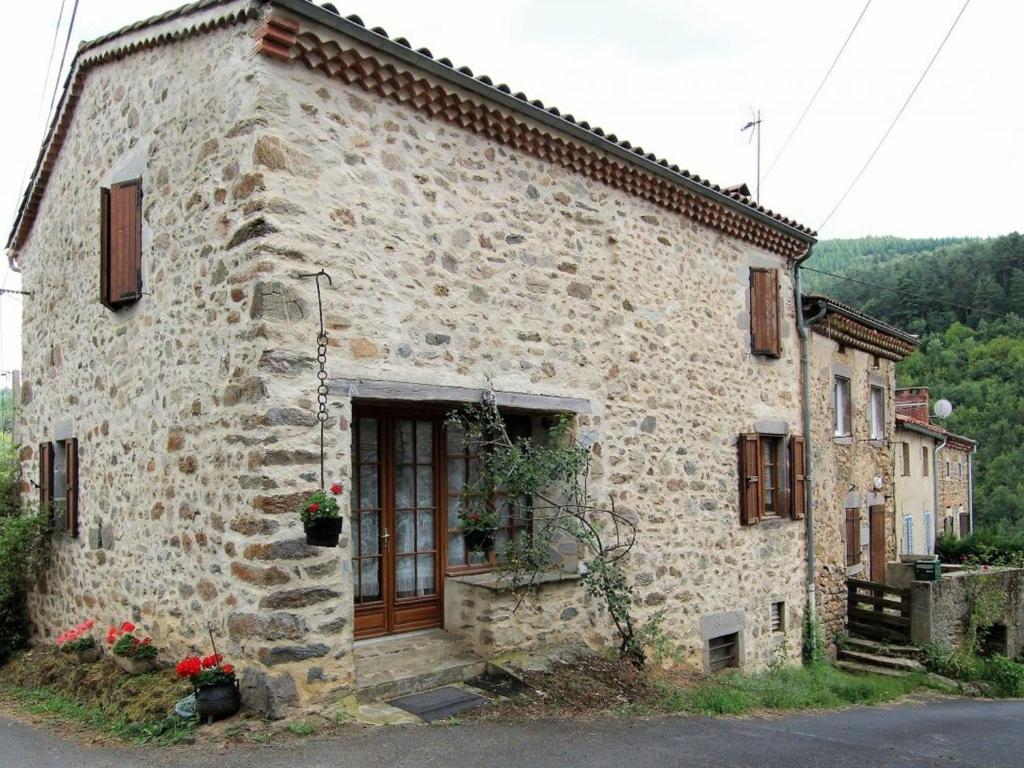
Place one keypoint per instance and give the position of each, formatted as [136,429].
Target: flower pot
[87,656]
[323,532]
[479,540]
[134,666]
[216,701]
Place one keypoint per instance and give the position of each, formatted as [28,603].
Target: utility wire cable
[63,57]
[895,120]
[49,64]
[821,85]
[905,294]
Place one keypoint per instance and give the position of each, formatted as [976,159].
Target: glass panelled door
[395,492]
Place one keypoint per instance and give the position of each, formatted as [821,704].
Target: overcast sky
[679,77]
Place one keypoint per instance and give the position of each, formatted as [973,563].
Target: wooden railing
[878,611]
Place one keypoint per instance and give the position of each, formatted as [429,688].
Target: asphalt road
[961,733]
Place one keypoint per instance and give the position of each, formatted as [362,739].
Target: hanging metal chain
[321,374]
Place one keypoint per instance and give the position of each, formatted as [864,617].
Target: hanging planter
[321,517]
[479,539]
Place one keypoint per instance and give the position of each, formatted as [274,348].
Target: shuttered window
[71,485]
[45,474]
[121,244]
[771,479]
[778,617]
[852,537]
[797,483]
[764,312]
[751,498]
[723,652]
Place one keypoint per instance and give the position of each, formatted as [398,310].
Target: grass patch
[302,729]
[820,686]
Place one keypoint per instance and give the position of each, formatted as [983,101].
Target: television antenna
[754,126]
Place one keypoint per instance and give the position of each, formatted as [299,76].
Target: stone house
[200,163]
[853,381]
[934,485]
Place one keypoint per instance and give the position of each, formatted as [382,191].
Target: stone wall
[845,470]
[954,487]
[455,261]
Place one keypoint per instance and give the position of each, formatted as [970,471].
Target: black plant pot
[478,540]
[323,532]
[218,700]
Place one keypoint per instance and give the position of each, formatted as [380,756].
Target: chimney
[913,402]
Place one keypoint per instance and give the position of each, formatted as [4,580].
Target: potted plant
[215,684]
[134,655]
[79,643]
[478,528]
[321,518]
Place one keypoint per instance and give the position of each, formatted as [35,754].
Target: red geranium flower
[127,627]
[314,507]
[189,666]
[336,489]
[227,669]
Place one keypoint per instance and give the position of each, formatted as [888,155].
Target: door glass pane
[368,440]
[371,579]
[425,487]
[405,576]
[403,488]
[424,574]
[425,531]
[368,481]
[404,532]
[456,475]
[454,504]
[424,442]
[403,442]
[455,439]
[369,533]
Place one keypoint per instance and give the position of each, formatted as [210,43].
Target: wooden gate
[878,611]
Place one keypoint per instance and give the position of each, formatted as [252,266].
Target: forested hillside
[971,354]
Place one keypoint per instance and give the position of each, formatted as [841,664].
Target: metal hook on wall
[321,358]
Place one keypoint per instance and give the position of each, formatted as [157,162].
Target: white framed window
[908,535]
[929,538]
[841,403]
[876,407]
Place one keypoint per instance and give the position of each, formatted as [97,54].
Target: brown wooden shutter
[105,247]
[45,474]
[750,479]
[71,469]
[797,482]
[122,244]
[764,312]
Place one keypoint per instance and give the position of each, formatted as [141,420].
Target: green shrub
[983,547]
[1005,674]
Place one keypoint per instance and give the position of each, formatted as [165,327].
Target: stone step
[882,649]
[854,667]
[876,660]
[382,685]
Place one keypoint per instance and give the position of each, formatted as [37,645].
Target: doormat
[439,703]
[499,685]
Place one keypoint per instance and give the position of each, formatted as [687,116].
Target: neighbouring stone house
[934,491]
[853,380]
[201,162]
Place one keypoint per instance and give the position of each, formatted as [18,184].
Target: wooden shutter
[71,469]
[121,242]
[764,312]
[750,479]
[45,474]
[797,482]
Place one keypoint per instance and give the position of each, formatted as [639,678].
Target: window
[852,537]
[121,244]
[876,361]
[778,617]
[771,479]
[514,516]
[949,470]
[908,535]
[924,461]
[58,483]
[929,538]
[764,312]
[723,652]
[960,470]
[877,407]
[841,403]
[906,459]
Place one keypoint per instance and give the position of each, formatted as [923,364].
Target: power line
[928,300]
[821,85]
[896,119]
[63,56]
[49,64]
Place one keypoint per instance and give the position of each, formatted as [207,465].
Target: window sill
[854,570]
[496,582]
[843,439]
[877,442]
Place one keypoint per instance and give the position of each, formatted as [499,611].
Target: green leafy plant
[208,670]
[545,484]
[77,638]
[321,505]
[813,649]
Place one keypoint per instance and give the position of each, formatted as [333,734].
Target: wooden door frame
[877,544]
[390,606]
